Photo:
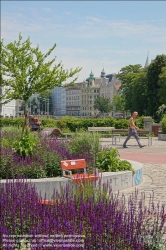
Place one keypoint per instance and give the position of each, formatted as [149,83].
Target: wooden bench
[54,132]
[117,132]
[101,129]
[78,164]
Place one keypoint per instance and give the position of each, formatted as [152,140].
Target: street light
[48,107]
[44,99]
[40,99]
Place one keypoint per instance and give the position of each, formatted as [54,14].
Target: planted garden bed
[35,156]
[99,219]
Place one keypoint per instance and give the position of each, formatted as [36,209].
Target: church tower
[147,63]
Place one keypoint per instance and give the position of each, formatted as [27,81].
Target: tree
[154,84]
[102,104]
[128,69]
[119,102]
[139,95]
[134,88]
[26,70]
[160,112]
[162,85]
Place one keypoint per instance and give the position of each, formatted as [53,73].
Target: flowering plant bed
[102,220]
[35,156]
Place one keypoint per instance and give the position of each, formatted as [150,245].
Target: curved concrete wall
[117,180]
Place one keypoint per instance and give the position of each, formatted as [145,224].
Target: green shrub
[5,122]
[108,161]
[160,112]
[85,142]
[121,124]
[25,145]
[8,135]
[163,124]
[72,124]
[53,167]
[29,172]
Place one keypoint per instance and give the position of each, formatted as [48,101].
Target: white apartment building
[73,100]
[58,97]
[90,90]
[8,109]
[110,85]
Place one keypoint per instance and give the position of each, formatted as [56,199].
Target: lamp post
[48,107]
[30,105]
[40,110]
[44,99]
[35,106]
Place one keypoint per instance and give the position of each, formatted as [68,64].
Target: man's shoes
[125,147]
[142,146]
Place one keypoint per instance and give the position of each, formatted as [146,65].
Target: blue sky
[89,34]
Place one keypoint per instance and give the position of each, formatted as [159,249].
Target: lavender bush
[105,221]
[44,161]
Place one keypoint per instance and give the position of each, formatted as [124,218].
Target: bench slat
[100,129]
[114,131]
[68,165]
[82,177]
[73,164]
[125,131]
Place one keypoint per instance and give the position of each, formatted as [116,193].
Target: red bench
[48,202]
[79,164]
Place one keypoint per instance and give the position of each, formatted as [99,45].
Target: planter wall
[162,137]
[117,180]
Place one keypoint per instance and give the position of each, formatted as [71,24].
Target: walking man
[133,131]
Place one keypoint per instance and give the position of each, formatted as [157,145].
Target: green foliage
[7,140]
[122,124]
[108,160]
[88,189]
[86,142]
[48,123]
[119,102]
[163,124]
[128,69]
[144,89]
[89,140]
[160,112]
[140,122]
[6,122]
[134,91]
[73,124]
[162,85]
[28,171]
[155,78]
[102,104]
[26,70]
[25,145]
[53,167]
[38,157]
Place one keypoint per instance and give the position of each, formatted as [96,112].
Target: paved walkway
[154,168]
[154,165]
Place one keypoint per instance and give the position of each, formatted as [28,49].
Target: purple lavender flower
[104,222]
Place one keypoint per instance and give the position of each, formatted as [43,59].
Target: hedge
[72,123]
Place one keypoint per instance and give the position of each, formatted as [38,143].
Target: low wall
[162,137]
[117,180]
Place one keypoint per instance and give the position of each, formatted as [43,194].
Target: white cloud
[48,10]
[98,33]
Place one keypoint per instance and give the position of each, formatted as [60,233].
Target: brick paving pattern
[154,169]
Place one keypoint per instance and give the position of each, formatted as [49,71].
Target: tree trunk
[25,124]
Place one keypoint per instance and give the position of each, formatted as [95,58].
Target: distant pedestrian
[34,123]
[133,131]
